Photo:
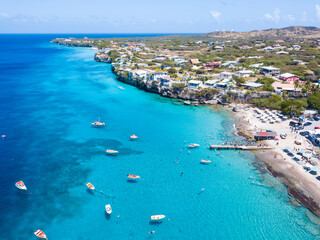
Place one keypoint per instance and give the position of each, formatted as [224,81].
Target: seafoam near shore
[300,183]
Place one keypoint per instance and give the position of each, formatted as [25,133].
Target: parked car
[316,118]
[295,124]
[306,133]
[307,124]
[318,178]
[292,123]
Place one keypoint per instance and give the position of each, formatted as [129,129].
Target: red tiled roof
[267,134]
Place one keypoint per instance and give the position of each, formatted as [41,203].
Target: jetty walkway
[238,147]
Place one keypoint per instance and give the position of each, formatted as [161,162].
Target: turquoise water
[49,97]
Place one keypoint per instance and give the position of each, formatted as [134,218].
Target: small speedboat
[131,176]
[20,185]
[122,88]
[133,137]
[205,161]
[157,217]
[40,234]
[112,152]
[193,145]
[98,124]
[90,186]
[108,208]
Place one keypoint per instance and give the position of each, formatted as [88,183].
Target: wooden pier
[238,147]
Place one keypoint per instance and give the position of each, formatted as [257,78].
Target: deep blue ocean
[48,98]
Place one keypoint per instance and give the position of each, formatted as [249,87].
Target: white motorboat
[108,208]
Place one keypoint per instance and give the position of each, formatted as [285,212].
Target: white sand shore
[281,162]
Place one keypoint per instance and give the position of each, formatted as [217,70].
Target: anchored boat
[157,217]
[40,234]
[205,161]
[108,208]
[20,185]
[193,145]
[112,152]
[90,186]
[133,137]
[98,124]
[131,176]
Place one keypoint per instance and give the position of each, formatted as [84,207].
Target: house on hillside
[248,85]
[157,75]
[194,84]
[288,77]
[224,84]
[287,87]
[214,64]
[211,83]
[226,75]
[194,61]
[270,70]
[218,48]
[244,73]
[138,74]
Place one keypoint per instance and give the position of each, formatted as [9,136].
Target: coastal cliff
[201,96]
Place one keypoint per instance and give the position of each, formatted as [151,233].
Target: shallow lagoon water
[49,97]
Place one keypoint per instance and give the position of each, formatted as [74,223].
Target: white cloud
[290,18]
[273,17]
[4,15]
[216,15]
[318,11]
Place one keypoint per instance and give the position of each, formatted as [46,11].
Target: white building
[194,84]
[211,83]
[244,73]
[226,75]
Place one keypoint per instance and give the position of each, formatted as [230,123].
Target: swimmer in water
[152,232]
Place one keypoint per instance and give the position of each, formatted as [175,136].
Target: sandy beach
[301,183]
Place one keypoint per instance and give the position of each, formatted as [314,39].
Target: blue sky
[148,16]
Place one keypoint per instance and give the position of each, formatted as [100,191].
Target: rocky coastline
[196,96]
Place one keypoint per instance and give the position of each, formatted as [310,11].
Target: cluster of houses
[210,78]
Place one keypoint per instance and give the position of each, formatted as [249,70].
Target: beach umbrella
[276,139]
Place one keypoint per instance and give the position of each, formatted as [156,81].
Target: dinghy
[20,185]
[193,145]
[40,234]
[131,176]
[90,186]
